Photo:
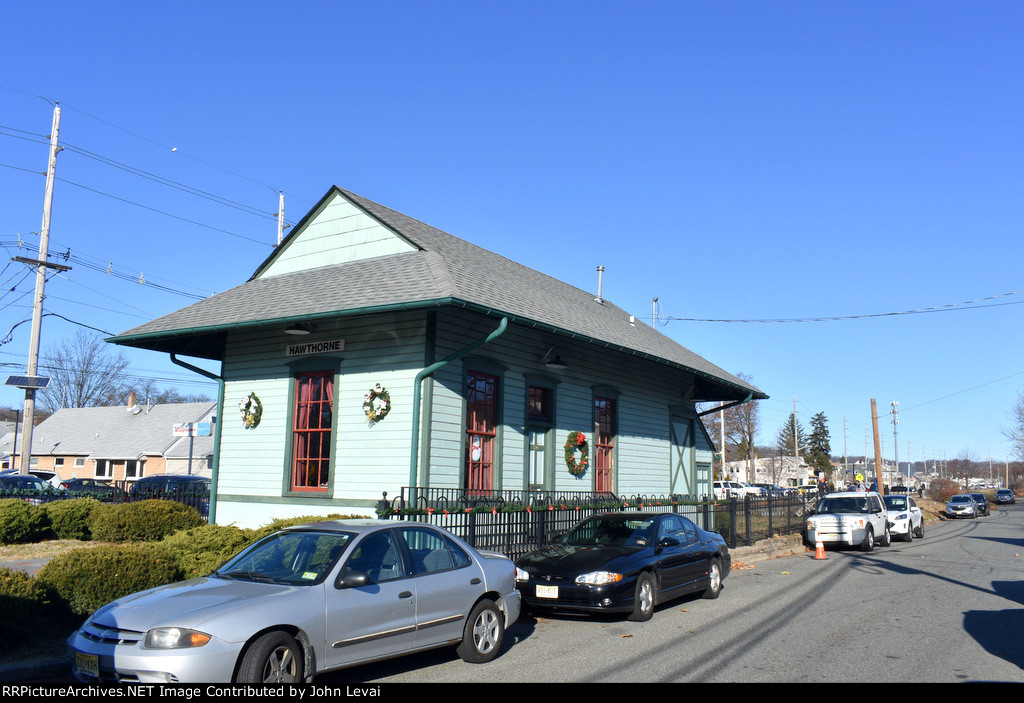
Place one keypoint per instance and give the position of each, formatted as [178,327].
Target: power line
[938,308]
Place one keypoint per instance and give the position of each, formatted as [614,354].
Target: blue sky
[825,162]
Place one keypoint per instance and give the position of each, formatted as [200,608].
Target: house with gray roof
[124,442]
[373,353]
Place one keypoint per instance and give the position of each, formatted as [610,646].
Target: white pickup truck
[851,519]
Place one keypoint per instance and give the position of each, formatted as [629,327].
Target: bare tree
[742,423]
[84,373]
[1015,432]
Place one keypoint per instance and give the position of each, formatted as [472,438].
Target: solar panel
[36,382]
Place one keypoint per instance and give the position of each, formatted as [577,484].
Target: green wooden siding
[338,234]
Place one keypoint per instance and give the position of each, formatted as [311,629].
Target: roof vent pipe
[600,279]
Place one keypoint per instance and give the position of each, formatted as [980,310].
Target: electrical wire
[938,308]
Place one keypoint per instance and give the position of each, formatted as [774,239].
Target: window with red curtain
[481,429]
[311,431]
[604,445]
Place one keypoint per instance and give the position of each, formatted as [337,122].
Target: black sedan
[95,488]
[624,563]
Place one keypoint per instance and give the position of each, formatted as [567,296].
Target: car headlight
[599,578]
[901,516]
[521,575]
[175,638]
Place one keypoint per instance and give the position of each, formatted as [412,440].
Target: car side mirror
[353,579]
[668,542]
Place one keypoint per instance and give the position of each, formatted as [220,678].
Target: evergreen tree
[784,440]
[819,448]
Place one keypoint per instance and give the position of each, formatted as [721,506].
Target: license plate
[547,591]
[827,535]
[87,664]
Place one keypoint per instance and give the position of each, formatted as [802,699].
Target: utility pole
[796,440]
[878,441]
[280,216]
[37,306]
[846,458]
[895,446]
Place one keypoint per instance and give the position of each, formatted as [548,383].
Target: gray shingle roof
[443,270]
[114,432]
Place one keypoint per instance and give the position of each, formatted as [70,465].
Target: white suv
[852,519]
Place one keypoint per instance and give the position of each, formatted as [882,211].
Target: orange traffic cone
[819,549]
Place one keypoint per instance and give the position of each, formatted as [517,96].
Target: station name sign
[326,346]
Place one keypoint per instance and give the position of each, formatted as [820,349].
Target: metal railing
[517,522]
[198,498]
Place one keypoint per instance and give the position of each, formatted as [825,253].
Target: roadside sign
[192,429]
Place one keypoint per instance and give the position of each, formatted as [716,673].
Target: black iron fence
[196,496]
[517,522]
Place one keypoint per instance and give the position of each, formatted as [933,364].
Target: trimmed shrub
[201,550]
[22,522]
[89,578]
[69,519]
[23,601]
[144,521]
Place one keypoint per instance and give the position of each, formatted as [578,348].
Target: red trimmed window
[311,431]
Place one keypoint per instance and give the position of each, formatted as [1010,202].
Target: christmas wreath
[576,441]
[376,403]
[252,410]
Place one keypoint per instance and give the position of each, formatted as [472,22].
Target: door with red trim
[481,430]
[604,445]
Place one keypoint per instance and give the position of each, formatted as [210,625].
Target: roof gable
[336,231]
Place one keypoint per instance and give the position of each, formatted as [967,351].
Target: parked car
[30,488]
[982,501]
[770,489]
[168,482]
[305,600]
[183,488]
[734,489]
[748,490]
[906,519]
[624,563]
[961,506]
[852,519]
[51,477]
[94,487]
[1005,495]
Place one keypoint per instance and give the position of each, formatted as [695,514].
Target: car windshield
[301,558]
[611,531]
[843,504]
[960,499]
[895,503]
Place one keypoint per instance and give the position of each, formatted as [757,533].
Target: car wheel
[643,599]
[886,538]
[909,537]
[920,530]
[274,658]
[714,580]
[484,633]
[869,541]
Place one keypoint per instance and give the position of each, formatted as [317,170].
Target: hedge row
[177,545]
[87,518]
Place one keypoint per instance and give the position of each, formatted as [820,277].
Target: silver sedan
[306,600]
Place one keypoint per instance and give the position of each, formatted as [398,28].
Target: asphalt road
[948,608]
